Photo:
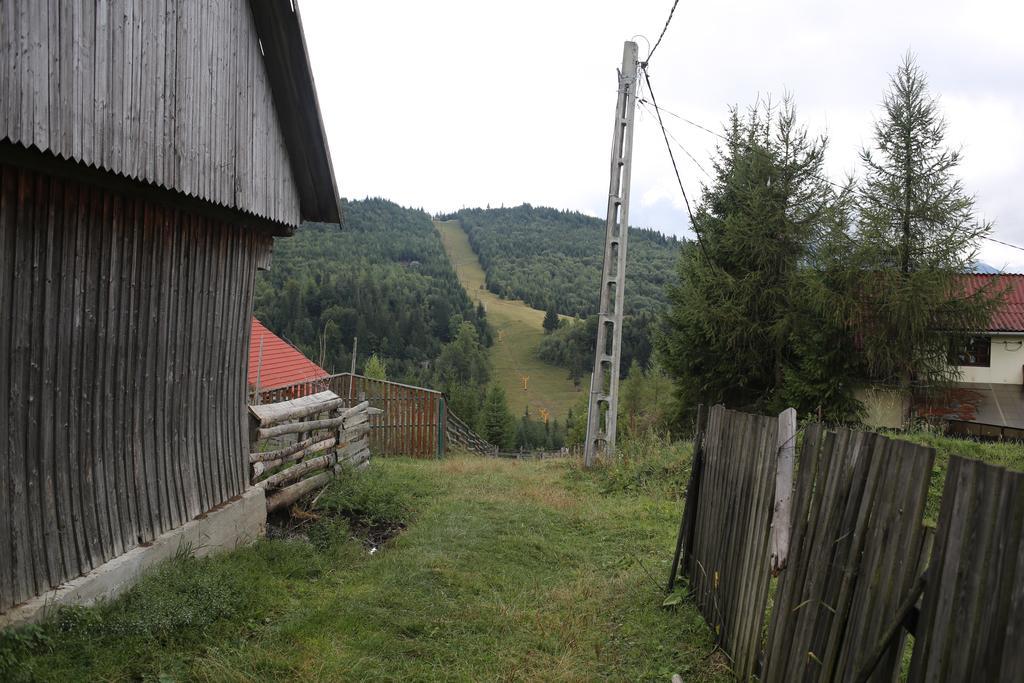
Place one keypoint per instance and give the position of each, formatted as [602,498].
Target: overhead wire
[665,134]
[719,135]
[680,145]
[672,157]
[668,21]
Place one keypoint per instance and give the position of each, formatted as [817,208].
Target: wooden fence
[857,552]
[413,421]
[984,431]
[460,434]
[313,435]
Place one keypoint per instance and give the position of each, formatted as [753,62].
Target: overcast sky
[442,105]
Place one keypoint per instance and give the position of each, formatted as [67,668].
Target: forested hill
[548,257]
[383,277]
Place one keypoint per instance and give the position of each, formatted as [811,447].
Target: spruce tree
[550,320]
[496,422]
[917,235]
[740,299]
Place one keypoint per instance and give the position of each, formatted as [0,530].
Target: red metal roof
[1010,316]
[279,363]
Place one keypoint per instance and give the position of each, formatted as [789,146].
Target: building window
[976,353]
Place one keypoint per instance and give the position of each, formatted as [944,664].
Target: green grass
[518,330]
[505,571]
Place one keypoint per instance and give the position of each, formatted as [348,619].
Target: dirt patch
[321,527]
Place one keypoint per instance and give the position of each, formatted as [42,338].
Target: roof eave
[286,60]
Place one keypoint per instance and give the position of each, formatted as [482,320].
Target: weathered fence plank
[855,555]
[730,546]
[971,625]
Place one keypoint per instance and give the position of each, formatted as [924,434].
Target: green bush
[370,498]
[649,464]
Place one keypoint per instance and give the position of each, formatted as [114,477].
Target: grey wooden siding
[171,92]
[122,373]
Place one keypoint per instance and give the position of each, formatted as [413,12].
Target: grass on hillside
[518,329]
[505,571]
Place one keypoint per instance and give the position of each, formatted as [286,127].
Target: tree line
[552,259]
[799,290]
[384,277]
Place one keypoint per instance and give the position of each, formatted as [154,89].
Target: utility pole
[604,385]
[352,373]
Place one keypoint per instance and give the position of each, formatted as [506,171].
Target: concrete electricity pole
[604,385]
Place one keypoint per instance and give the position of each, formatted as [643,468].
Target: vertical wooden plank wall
[169,92]
[122,374]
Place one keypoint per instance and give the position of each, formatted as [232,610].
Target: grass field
[506,571]
[519,330]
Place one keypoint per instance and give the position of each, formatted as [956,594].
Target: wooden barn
[149,154]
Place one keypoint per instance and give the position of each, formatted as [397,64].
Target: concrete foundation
[236,523]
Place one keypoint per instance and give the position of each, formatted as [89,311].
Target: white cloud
[446,104]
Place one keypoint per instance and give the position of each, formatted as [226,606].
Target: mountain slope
[518,332]
[384,277]
[548,257]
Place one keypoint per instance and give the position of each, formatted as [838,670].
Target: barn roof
[279,28]
[277,362]
[1010,316]
[212,101]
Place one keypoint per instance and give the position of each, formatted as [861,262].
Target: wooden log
[290,494]
[355,420]
[281,452]
[299,427]
[358,456]
[260,468]
[298,471]
[356,409]
[782,512]
[271,414]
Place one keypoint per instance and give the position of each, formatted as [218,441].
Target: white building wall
[1007,366]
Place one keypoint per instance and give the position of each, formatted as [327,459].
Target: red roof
[1010,316]
[281,363]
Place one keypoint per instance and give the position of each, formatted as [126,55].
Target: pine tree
[496,422]
[550,320]
[917,235]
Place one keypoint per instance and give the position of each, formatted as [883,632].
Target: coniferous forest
[382,277]
[552,258]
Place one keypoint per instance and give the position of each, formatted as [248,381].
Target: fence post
[441,423]
[781,513]
[684,541]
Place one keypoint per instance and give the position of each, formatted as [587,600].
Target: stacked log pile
[299,445]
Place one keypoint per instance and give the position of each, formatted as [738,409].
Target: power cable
[672,157]
[758,149]
[658,42]
[682,147]
[1005,244]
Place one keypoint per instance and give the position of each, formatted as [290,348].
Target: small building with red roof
[990,391]
[996,355]
[273,362]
